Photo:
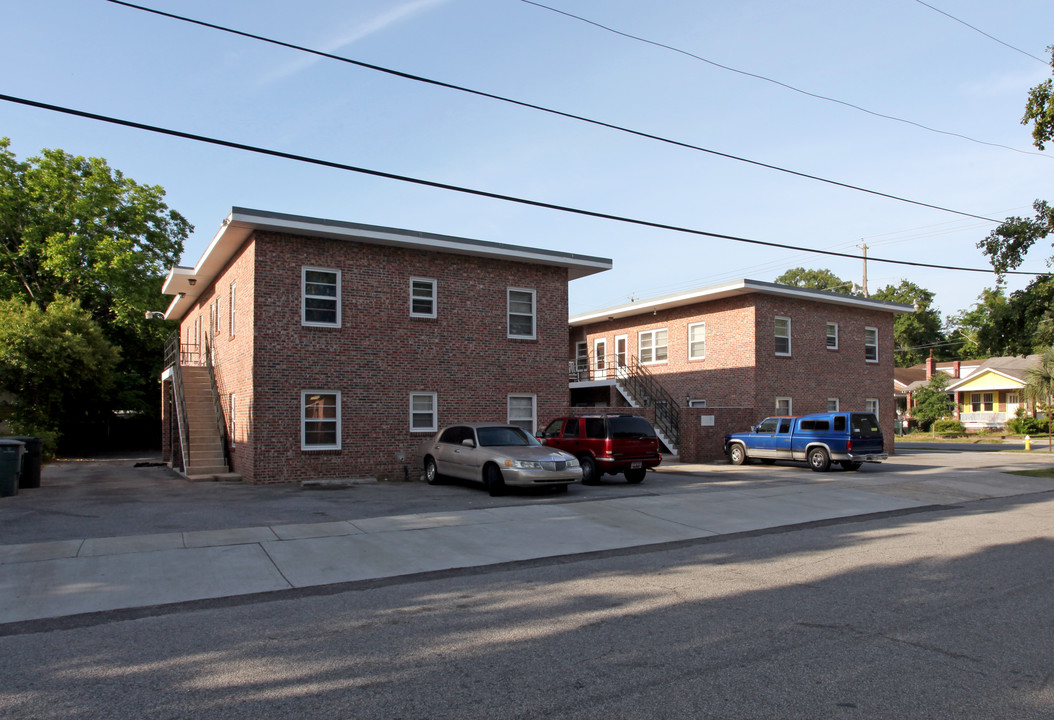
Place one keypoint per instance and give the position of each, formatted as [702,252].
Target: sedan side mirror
[469,442]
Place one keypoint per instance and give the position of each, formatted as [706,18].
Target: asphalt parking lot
[111,497]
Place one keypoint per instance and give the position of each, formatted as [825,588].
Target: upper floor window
[653,346]
[234,295]
[832,336]
[321,297]
[422,297]
[521,312]
[782,331]
[320,420]
[871,344]
[697,341]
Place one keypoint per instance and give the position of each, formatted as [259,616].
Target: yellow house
[992,394]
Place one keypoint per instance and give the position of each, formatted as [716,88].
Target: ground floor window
[522,410]
[832,404]
[423,412]
[320,420]
[784,406]
[871,406]
[234,418]
[982,402]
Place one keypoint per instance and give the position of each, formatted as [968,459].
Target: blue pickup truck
[848,438]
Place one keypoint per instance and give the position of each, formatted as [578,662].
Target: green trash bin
[10,466]
[30,477]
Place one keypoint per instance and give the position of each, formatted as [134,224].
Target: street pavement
[106,535]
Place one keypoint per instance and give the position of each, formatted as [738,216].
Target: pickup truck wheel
[635,476]
[819,460]
[848,465]
[432,476]
[737,454]
[494,481]
[589,470]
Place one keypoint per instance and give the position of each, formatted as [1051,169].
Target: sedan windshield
[504,436]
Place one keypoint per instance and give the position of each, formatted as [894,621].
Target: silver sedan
[497,455]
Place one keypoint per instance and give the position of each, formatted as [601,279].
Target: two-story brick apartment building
[336,348]
[715,360]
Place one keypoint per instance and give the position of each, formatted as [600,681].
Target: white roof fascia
[188,283]
[732,289]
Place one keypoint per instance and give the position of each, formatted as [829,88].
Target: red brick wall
[380,354]
[741,370]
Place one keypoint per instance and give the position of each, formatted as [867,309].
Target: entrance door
[621,342]
[600,358]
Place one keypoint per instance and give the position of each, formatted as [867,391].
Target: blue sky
[897,57]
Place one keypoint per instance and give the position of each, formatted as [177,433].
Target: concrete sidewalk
[71,577]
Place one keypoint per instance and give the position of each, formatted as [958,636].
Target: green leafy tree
[1019,324]
[918,332]
[56,365]
[932,402]
[1040,109]
[1039,388]
[973,327]
[822,279]
[1007,245]
[74,227]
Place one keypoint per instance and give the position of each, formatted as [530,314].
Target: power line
[520,103]
[976,29]
[471,191]
[783,84]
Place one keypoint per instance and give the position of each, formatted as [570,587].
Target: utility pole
[864,248]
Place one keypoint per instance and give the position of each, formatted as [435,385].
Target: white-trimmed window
[832,404]
[982,402]
[832,336]
[582,358]
[784,406]
[321,297]
[320,420]
[871,344]
[423,412]
[233,404]
[697,341]
[653,346]
[782,333]
[422,297]
[522,411]
[871,406]
[521,312]
[234,295]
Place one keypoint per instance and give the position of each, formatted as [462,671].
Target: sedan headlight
[573,462]
[523,464]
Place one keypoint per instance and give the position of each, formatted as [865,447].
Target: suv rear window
[630,426]
[864,424]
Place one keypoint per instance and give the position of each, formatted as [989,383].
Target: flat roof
[733,289]
[187,283]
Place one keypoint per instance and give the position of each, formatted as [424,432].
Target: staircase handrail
[181,402]
[649,392]
[220,424]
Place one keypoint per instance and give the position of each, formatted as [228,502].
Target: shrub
[948,426]
[1025,424]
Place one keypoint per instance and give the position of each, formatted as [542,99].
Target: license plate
[635,466]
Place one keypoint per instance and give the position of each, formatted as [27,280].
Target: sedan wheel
[431,472]
[494,481]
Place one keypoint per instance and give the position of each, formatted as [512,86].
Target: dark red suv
[606,444]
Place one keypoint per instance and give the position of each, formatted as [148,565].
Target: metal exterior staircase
[206,455]
[642,389]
